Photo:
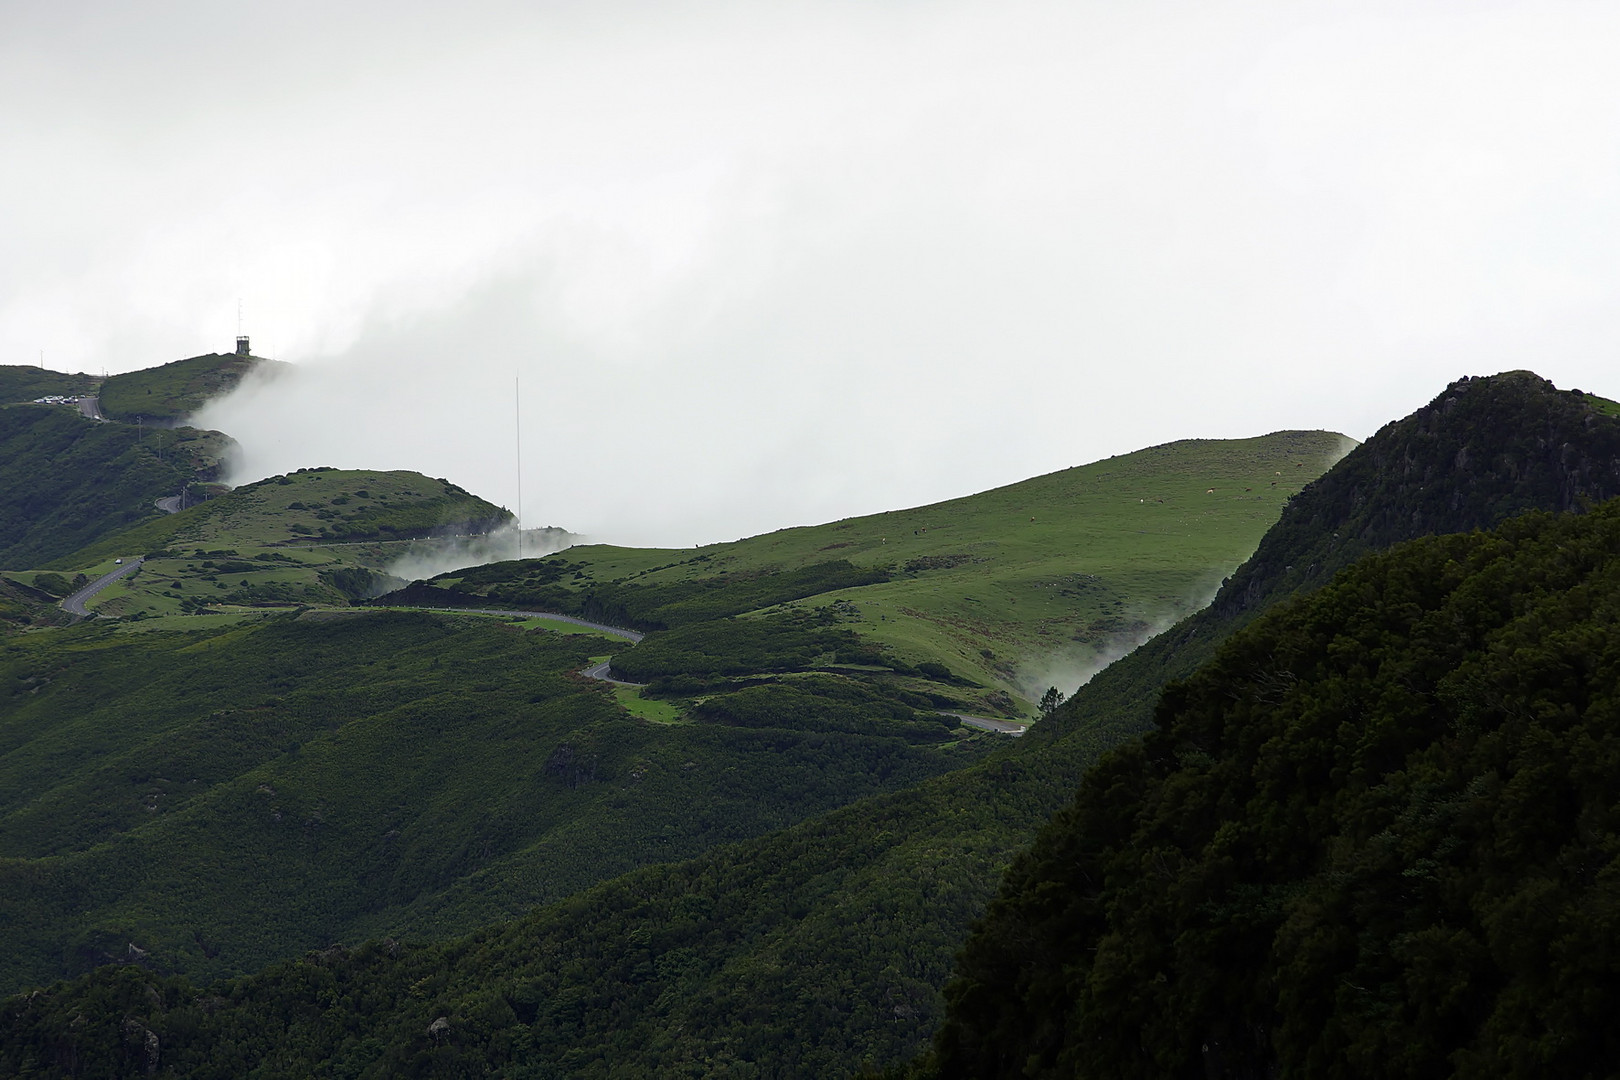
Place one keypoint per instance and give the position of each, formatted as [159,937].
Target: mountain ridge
[811,949]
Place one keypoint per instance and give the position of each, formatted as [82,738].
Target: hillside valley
[763,860]
[229,674]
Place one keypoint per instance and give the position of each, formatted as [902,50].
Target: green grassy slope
[1602,405]
[20,384]
[1016,589]
[313,536]
[23,604]
[238,793]
[66,481]
[171,392]
[804,952]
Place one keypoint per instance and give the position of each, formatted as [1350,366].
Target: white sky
[770,264]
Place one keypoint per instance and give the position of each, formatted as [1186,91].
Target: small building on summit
[242,346]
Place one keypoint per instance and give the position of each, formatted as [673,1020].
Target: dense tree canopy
[1377,836]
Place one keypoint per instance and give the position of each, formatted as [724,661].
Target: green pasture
[1030,585]
[557,626]
[1604,405]
[659,712]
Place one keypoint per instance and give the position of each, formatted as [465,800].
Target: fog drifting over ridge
[760,266]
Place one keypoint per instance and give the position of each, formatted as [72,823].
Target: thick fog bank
[760,265]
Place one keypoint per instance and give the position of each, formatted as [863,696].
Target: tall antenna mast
[517,423]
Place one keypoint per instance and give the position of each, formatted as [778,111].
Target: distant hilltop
[164,396]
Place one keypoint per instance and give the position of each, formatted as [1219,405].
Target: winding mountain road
[985,723]
[74,605]
[601,673]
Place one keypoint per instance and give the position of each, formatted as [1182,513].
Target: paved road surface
[600,672]
[74,605]
[171,505]
[985,723]
[90,408]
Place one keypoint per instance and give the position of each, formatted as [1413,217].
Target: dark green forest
[1376,836]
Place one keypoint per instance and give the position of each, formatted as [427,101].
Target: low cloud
[431,558]
[1071,668]
[764,265]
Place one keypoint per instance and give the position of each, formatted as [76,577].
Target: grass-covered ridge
[1012,589]
[21,384]
[169,393]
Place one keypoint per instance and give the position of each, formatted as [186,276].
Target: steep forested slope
[1377,836]
[66,481]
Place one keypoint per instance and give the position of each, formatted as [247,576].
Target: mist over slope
[168,394]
